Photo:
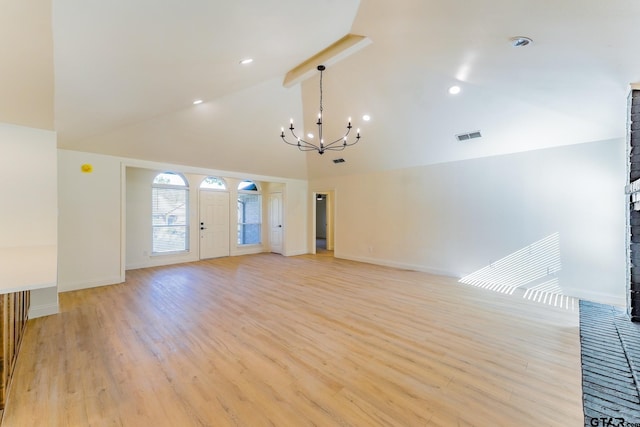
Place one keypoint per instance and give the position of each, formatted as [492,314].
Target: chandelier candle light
[337,145]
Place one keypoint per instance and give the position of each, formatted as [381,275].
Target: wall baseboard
[43,310]
[296,253]
[150,264]
[576,293]
[66,287]
[599,297]
[400,265]
[249,250]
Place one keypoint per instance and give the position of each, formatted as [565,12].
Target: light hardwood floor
[268,340]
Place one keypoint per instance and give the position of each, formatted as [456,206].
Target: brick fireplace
[633,190]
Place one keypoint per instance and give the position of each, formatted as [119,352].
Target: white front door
[214,224]
[275,222]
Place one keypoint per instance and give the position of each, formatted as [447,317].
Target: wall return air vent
[469,135]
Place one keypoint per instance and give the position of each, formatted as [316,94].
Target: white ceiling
[126,73]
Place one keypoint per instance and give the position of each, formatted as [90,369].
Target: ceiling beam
[337,51]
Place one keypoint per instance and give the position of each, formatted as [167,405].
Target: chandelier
[337,145]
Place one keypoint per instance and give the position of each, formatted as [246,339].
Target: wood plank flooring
[266,340]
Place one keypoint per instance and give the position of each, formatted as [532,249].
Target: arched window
[170,213]
[249,213]
[247,185]
[213,183]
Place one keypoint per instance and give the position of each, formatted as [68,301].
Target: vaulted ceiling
[126,74]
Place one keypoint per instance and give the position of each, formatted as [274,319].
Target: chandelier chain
[321,71]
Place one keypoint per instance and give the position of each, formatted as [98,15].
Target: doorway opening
[323,226]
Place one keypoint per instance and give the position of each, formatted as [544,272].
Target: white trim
[250,249]
[169,253]
[296,253]
[123,221]
[240,247]
[400,265]
[201,188]
[331,219]
[599,297]
[36,311]
[62,287]
[145,164]
[159,262]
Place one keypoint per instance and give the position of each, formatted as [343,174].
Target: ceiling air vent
[468,136]
[340,160]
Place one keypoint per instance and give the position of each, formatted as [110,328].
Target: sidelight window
[249,214]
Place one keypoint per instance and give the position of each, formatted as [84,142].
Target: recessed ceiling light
[197,101]
[246,61]
[454,90]
[310,135]
[520,41]
[366,117]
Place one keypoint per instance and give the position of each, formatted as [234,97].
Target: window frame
[155,186]
[255,191]
[221,180]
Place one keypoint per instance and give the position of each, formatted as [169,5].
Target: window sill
[155,254]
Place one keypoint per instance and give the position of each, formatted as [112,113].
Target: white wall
[105,216]
[29,186]
[90,221]
[296,218]
[455,218]
[29,198]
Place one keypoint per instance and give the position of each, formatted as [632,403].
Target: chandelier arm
[341,146]
[290,143]
[308,148]
[342,140]
[336,148]
[292,129]
[299,140]
[321,147]
[349,144]
[301,143]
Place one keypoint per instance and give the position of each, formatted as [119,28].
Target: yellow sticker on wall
[86,168]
